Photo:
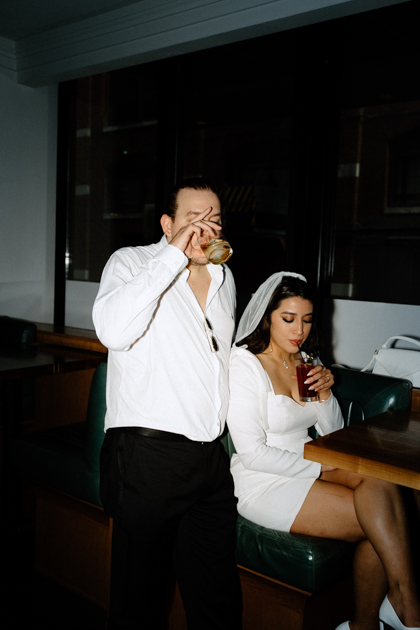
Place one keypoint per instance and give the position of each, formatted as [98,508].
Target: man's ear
[167,224]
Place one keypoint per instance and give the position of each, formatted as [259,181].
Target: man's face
[190,203]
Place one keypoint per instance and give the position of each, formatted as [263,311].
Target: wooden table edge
[363,466]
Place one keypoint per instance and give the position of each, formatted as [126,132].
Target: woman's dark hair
[289,287]
[196,183]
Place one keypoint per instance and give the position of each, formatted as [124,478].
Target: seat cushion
[306,562]
[55,457]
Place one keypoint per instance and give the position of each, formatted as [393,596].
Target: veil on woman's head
[258,304]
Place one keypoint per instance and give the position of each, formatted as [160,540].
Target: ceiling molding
[154,29]
[8,58]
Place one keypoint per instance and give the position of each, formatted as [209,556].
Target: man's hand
[189,233]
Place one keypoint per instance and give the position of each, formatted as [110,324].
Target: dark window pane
[115,168]
[377,247]
[404,171]
[238,135]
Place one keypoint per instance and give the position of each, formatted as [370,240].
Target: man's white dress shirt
[162,373]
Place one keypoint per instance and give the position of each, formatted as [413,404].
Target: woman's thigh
[328,512]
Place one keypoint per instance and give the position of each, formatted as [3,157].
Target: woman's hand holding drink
[320,382]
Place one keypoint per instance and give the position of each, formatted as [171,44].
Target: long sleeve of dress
[132,283]
[248,423]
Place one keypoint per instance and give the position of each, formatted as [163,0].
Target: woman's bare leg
[370,586]
[381,513]
[328,512]
[378,515]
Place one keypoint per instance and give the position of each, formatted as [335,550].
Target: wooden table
[386,446]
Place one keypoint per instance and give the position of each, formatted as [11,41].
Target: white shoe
[344,626]
[388,616]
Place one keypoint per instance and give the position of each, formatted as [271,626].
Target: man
[167,318]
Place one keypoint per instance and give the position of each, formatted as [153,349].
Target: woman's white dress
[269,431]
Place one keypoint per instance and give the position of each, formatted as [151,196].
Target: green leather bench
[281,572]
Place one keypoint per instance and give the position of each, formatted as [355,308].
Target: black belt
[155,434]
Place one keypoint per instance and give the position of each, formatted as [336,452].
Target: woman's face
[291,324]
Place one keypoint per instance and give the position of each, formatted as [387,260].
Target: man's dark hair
[289,287]
[196,183]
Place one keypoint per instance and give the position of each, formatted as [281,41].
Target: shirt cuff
[173,258]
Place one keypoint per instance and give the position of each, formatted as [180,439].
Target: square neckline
[272,388]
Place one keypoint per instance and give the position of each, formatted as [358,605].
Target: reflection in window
[404,170]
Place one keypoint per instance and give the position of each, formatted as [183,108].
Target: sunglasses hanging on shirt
[214,346]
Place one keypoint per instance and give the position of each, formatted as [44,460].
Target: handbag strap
[385,345]
[371,362]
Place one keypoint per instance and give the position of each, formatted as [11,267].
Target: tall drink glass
[305,394]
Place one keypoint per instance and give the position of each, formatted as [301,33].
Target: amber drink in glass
[217,250]
[305,394]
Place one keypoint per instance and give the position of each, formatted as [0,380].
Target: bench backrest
[15,331]
[362,394]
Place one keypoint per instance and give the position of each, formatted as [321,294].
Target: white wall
[80,297]
[27,199]
[360,328]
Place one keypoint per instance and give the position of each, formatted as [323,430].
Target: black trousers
[173,505]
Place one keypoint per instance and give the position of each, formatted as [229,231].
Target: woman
[276,487]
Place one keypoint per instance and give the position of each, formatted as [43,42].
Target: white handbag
[397,362]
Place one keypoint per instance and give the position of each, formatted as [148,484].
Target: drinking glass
[217,250]
[305,394]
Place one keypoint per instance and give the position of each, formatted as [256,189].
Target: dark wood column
[314,164]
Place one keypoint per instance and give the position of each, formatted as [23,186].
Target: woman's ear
[166,223]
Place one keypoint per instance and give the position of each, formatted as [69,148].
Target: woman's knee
[380,486]
[354,480]
[328,511]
